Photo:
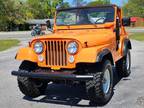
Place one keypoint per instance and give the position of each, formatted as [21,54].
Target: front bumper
[52,76]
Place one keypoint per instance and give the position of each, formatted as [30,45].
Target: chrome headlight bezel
[38,47]
[72,47]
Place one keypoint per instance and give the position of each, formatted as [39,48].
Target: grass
[6,44]
[137,36]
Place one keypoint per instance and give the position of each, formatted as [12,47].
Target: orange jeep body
[92,41]
[81,51]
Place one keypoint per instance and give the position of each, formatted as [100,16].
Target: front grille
[56,53]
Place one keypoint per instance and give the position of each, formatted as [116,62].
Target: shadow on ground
[67,95]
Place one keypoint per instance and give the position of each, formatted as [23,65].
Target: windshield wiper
[101,18]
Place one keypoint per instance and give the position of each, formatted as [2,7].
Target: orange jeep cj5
[87,46]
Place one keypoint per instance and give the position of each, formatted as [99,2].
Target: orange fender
[87,55]
[26,54]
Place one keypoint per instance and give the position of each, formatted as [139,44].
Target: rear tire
[123,66]
[30,87]
[98,92]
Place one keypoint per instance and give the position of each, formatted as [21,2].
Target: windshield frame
[74,8]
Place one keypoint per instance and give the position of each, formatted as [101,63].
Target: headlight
[72,48]
[38,47]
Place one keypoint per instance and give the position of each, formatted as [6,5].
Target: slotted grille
[56,53]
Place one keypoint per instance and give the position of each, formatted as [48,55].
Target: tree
[2,15]
[43,8]
[98,2]
[12,13]
[16,12]
[64,5]
[134,8]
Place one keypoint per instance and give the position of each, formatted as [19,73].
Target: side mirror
[126,21]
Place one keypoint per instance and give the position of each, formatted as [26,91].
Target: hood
[91,37]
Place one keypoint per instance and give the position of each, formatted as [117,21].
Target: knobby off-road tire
[30,87]
[95,88]
[123,66]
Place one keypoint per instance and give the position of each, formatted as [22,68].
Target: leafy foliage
[11,12]
[134,8]
[98,2]
[16,12]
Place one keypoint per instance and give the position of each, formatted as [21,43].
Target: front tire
[100,89]
[28,86]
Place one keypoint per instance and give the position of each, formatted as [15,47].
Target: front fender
[127,45]
[93,54]
[26,54]
[88,55]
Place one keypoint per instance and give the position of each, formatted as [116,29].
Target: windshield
[97,15]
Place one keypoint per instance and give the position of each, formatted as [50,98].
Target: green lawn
[6,44]
[137,36]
